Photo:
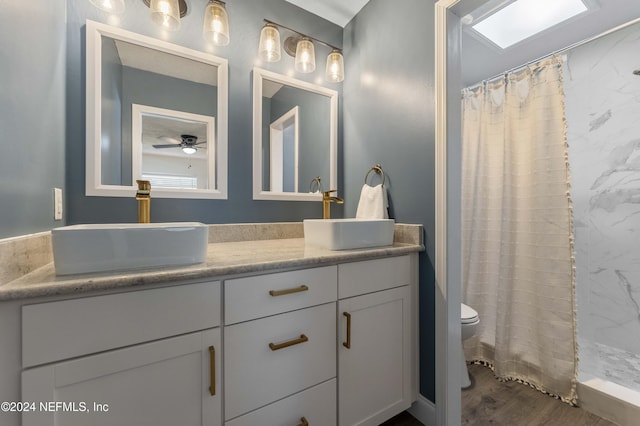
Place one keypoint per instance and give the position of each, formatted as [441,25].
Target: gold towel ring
[378,169]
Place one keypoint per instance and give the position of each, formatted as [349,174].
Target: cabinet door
[167,382]
[374,380]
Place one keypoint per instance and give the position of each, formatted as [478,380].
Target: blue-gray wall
[32,137]
[389,119]
[246,21]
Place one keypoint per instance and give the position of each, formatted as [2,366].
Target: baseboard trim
[424,410]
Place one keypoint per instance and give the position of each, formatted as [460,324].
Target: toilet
[469,322]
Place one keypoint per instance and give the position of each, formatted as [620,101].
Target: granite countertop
[223,259]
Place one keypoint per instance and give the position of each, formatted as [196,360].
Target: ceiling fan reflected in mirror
[188,143]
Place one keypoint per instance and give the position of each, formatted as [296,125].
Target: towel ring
[318,181]
[378,169]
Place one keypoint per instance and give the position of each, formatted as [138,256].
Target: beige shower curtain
[518,266]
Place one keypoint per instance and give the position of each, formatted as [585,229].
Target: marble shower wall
[603,130]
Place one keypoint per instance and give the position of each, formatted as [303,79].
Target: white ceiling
[156,61]
[339,12]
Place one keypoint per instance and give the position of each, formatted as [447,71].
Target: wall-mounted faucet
[327,199]
[144,201]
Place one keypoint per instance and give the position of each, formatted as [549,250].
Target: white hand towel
[373,203]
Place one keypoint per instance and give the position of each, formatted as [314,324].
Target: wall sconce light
[305,56]
[215,27]
[269,48]
[167,13]
[302,48]
[111,6]
[335,67]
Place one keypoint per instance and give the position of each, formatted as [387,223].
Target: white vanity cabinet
[150,357]
[378,332]
[280,348]
[321,346]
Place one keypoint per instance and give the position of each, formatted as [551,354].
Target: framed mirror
[155,111]
[295,133]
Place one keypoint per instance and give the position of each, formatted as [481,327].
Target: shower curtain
[518,265]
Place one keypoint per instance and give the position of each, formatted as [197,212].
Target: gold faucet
[327,199]
[144,201]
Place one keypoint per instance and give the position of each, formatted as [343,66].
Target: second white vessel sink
[343,234]
[81,249]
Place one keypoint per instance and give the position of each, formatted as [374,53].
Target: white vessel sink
[343,234]
[81,249]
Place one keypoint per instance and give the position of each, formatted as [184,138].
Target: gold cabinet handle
[347,344]
[303,422]
[212,361]
[301,339]
[276,293]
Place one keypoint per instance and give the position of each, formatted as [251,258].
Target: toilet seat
[468,315]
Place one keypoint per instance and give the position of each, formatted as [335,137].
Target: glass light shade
[189,150]
[215,27]
[305,56]
[166,13]
[111,6]
[335,67]
[269,48]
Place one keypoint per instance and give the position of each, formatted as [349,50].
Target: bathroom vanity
[267,332]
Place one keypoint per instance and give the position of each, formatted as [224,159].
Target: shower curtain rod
[555,53]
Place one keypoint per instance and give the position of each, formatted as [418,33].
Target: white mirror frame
[259,75]
[93,185]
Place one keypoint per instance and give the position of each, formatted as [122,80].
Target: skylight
[525,18]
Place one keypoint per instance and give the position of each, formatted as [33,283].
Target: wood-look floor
[402,419]
[490,402]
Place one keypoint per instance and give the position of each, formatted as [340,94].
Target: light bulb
[269,48]
[305,56]
[215,27]
[111,6]
[189,149]
[335,67]
[166,13]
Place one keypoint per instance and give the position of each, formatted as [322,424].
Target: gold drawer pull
[276,293]
[347,344]
[303,422]
[212,361]
[301,339]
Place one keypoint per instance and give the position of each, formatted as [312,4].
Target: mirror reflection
[175,149]
[294,137]
[148,94]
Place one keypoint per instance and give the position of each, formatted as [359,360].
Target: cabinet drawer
[257,375]
[316,405]
[255,297]
[373,275]
[59,330]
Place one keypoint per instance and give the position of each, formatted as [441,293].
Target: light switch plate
[57,203]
